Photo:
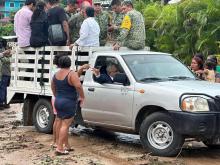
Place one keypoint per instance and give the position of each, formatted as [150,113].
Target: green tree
[182,29]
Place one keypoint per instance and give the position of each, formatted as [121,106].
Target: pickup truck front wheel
[158,135]
[43,116]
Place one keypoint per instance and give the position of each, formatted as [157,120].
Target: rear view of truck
[32,70]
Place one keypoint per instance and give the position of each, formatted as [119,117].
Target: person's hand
[110,28]
[67,42]
[199,72]
[96,72]
[7,53]
[206,71]
[116,46]
[85,66]
[81,101]
[71,46]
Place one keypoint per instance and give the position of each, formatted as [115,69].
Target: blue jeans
[3,88]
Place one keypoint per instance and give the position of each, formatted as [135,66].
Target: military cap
[127,2]
[97,2]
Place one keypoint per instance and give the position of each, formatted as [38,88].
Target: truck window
[108,67]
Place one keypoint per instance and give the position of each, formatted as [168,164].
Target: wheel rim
[160,135]
[42,116]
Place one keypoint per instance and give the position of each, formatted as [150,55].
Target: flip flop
[53,146]
[69,149]
[59,153]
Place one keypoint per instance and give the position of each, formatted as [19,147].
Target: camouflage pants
[135,45]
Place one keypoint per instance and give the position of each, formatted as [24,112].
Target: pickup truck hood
[166,94]
[189,86]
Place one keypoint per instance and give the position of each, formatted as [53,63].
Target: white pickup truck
[153,95]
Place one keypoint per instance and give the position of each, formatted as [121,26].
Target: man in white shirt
[89,31]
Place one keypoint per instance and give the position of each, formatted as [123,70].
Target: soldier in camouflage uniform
[76,21]
[116,21]
[132,32]
[103,19]
[71,8]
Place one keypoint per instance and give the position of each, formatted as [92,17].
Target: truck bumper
[204,125]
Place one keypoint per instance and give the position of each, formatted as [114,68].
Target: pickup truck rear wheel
[158,136]
[43,116]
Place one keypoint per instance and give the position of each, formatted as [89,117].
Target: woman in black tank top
[65,86]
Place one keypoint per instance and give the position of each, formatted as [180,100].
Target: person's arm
[6,53]
[82,68]
[74,79]
[66,30]
[15,23]
[1,55]
[62,18]
[53,87]
[124,30]
[72,21]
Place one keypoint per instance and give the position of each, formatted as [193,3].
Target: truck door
[107,103]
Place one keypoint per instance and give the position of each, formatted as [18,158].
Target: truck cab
[152,94]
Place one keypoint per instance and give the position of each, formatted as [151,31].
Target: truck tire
[158,136]
[27,112]
[43,116]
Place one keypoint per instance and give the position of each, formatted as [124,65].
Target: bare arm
[74,80]
[53,87]
[82,68]
[66,29]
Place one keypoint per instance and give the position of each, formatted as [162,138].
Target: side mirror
[121,78]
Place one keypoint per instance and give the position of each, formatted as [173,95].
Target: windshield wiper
[151,79]
[180,77]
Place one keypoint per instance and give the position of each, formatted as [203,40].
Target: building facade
[7,7]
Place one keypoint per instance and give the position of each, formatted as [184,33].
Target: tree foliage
[6,30]
[182,29]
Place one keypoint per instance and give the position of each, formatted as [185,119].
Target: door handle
[91,89]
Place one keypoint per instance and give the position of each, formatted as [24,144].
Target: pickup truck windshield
[157,68]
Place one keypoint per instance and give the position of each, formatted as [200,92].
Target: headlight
[195,104]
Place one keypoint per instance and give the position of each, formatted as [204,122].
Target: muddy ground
[21,145]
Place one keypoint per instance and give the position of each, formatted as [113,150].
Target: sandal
[69,149]
[53,146]
[59,153]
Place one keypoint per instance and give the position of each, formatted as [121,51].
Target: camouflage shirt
[116,21]
[75,23]
[103,20]
[132,31]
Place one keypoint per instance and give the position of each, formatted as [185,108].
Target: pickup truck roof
[130,52]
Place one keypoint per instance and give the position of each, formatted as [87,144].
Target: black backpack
[56,34]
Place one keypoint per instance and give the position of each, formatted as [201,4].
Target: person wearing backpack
[58,31]
[39,26]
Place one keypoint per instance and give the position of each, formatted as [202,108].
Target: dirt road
[24,146]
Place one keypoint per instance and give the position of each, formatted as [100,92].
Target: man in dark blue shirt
[107,77]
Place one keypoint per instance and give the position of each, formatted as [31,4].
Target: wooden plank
[30,66]
[82,58]
[31,74]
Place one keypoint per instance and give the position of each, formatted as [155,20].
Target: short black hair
[64,62]
[71,2]
[210,65]
[29,2]
[90,12]
[53,1]
[199,55]
[128,3]
[115,2]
